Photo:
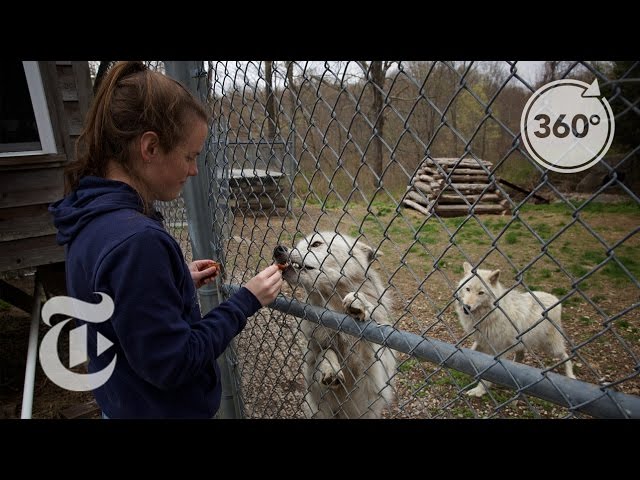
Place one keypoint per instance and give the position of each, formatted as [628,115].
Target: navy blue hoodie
[166,350]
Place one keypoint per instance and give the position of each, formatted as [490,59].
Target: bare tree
[104,67]
[375,72]
[270,103]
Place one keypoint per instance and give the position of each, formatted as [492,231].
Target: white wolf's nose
[466,308]
[281,254]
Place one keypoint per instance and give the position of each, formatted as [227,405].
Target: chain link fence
[404,171]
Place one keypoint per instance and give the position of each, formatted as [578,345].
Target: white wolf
[346,377]
[515,313]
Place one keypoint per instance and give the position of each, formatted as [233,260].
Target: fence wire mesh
[383,179]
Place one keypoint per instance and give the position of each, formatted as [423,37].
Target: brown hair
[131,100]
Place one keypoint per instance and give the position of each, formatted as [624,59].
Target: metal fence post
[201,232]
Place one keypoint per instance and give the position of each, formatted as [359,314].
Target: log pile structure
[450,187]
[254,189]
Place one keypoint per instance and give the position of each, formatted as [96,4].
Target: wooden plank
[246,186]
[421,199]
[258,204]
[32,161]
[31,187]
[84,88]
[481,178]
[415,206]
[25,222]
[488,197]
[75,119]
[30,252]
[66,82]
[428,187]
[456,171]
[450,162]
[428,178]
[468,188]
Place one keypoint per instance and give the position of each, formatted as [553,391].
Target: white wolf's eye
[468,289]
[316,244]
[480,293]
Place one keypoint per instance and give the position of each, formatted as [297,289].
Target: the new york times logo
[49,358]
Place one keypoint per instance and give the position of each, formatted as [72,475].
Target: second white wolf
[496,328]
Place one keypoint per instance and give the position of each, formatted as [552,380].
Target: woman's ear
[149,146]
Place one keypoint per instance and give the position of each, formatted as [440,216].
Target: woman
[141,139]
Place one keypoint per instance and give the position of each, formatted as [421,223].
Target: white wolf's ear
[369,253]
[467,268]
[493,277]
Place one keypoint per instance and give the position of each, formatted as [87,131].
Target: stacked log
[257,190]
[450,187]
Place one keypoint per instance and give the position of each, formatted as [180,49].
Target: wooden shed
[42,109]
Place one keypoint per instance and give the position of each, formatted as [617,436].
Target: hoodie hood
[94,196]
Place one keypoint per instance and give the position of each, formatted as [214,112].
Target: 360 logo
[567,125]
[49,358]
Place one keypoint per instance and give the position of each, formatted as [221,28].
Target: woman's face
[167,173]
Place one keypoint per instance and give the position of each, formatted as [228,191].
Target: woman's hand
[203,271]
[266,285]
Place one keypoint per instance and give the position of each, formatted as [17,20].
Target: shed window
[25,126]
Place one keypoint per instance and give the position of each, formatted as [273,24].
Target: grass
[576,249]
[614,271]
[585,320]
[455,378]
[559,291]
[511,238]
[543,230]
[4,306]
[629,207]
[407,365]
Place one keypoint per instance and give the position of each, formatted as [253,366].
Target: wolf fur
[346,377]
[495,330]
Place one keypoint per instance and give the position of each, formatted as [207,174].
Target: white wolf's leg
[309,406]
[568,366]
[480,389]
[357,307]
[330,372]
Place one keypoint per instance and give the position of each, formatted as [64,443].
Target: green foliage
[407,365]
[511,238]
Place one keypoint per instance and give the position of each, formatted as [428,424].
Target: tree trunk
[377,77]
[271,101]
[102,71]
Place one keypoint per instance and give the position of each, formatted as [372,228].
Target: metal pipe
[201,226]
[32,352]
